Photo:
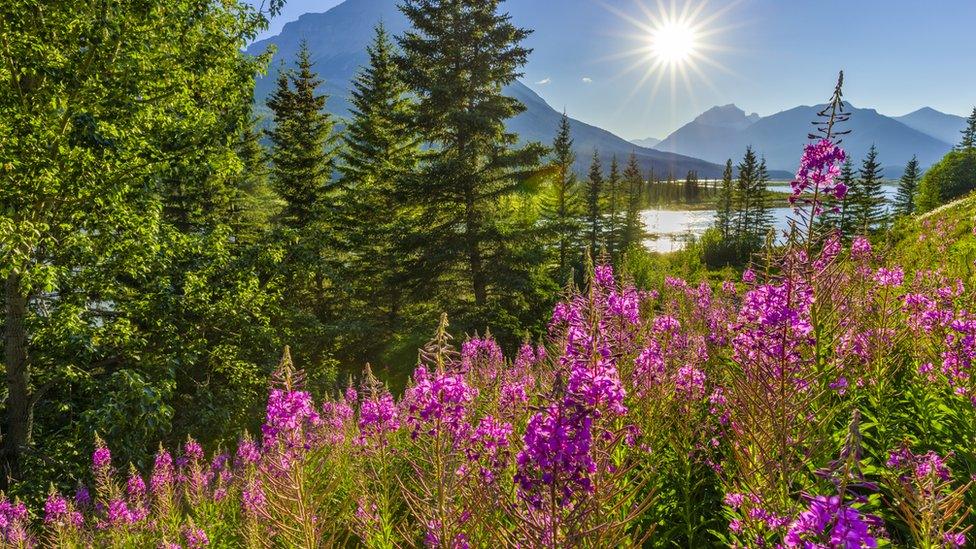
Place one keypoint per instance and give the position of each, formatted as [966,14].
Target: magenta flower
[829,522]
[819,167]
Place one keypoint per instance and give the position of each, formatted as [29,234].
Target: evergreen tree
[379,157]
[763,217]
[302,143]
[968,140]
[907,186]
[633,229]
[594,210]
[723,212]
[868,202]
[457,57]
[745,202]
[612,224]
[561,207]
[253,203]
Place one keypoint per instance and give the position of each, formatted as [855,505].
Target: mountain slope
[942,126]
[337,40]
[779,137]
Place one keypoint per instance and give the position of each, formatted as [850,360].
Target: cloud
[544,81]
[587,80]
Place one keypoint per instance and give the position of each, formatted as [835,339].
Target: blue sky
[766,56]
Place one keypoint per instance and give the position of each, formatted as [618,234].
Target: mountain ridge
[337,41]
[779,136]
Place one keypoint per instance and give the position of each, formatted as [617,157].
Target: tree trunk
[17,432]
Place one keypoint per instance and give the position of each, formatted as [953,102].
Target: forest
[409,326]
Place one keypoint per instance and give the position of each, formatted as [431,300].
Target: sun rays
[672,46]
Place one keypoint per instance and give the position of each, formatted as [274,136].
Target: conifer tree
[745,202]
[723,212]
[457,57]
[968,140]
[302,143]
[907,186]
[561,206]
[633,183]
[594,210]
[763,217]
[377,161]
[612,225]
[253,203]
[868,202]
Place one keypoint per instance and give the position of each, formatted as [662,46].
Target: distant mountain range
[724,132]
[338,38]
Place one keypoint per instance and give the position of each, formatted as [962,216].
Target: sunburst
[673,45]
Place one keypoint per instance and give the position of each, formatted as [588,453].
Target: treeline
[157,247]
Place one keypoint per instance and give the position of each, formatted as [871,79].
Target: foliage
[950,178]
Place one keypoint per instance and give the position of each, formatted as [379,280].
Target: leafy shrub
[947,180]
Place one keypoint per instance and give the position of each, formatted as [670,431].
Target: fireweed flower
[163,472]
[378,417]
[14,524]
[861,248]
[247,452]
[556,451]
[819,168]
[289,413]
[482,355]
[252,498]
[437,402]
[827,521]
[195,538]
[489,446]
[101,457]
[889,277]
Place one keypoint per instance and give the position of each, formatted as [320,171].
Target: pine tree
[723,212]
[868,203]
[968,140]
[253,203]
[634,184]
[302,143]
[907,186]
[594,210]
[561,206]
[612,225]
[380,155]
[744,202]
[763,217]
[457,57]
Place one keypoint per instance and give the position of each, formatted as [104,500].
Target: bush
[950,178]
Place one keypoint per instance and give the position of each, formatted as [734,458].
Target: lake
[670,229]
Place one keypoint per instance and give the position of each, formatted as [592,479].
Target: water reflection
[669,230]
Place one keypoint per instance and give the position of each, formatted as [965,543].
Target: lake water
[669,230]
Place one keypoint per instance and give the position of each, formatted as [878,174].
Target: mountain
[942,126]
[648,142]
[337,40]
[724,132]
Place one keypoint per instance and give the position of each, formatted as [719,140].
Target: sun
[673,42]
